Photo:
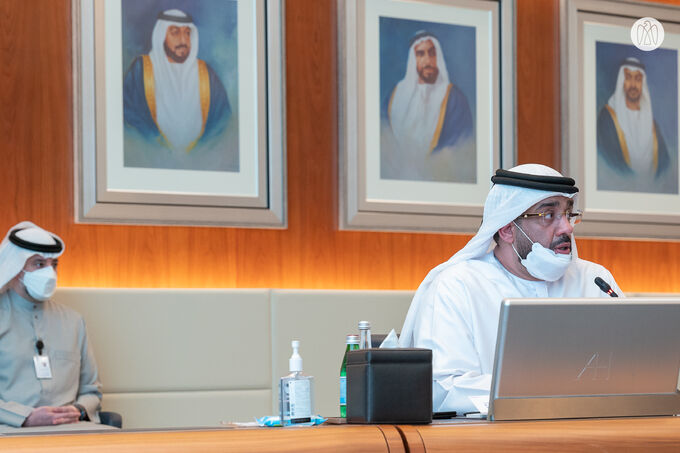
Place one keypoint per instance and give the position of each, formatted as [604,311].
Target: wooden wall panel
[538,76]
[36,172]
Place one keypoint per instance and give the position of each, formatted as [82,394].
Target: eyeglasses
[550,217]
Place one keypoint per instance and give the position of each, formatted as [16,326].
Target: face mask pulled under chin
[41,284]
[543,263]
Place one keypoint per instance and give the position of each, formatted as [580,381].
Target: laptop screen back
[564,358]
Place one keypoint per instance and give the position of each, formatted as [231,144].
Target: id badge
[42,367]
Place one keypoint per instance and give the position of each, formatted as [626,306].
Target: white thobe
[458,320]
[74,372]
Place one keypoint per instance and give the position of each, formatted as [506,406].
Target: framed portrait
[620,112]
[179,112]
[426,93]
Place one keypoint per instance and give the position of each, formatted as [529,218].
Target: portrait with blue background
[216,22]
[458,45]
[661,69]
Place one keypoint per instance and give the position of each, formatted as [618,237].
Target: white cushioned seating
[196,357]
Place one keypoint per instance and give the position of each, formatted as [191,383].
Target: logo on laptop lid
[597,368]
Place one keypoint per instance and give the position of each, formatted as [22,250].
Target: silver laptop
[573,358]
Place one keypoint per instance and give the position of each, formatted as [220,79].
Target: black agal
[44,248]
[538,182]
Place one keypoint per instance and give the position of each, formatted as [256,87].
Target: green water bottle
[352,344]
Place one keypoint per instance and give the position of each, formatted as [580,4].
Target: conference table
[617,434]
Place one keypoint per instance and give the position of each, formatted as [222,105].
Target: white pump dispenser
[295,361]
[296,392]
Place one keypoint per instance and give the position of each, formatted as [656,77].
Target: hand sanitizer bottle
[296,392]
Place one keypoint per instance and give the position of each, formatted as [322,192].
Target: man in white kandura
[170,96]
[48,375]
[524,248]
[628,138]
[426,111]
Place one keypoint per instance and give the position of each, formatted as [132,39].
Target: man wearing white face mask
[524,248]
[48,375]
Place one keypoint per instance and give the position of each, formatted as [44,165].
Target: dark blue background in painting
[458,46]
[216,21]
[661,67]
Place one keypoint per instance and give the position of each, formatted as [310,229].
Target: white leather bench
[196,357]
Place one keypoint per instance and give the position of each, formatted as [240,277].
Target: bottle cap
[295,361]
[363,325]
[352,339]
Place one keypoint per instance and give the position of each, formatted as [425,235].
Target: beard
[523,246]
[633,94]
[431,76]
[173,54]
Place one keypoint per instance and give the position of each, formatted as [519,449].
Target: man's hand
[50,415]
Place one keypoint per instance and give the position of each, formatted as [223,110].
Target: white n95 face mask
[41,283]
[543,263]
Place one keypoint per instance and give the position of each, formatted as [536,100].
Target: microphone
[604,286]
[39,345]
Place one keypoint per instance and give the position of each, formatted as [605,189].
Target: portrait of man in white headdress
[633,153]
[173,100]
[428,126]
